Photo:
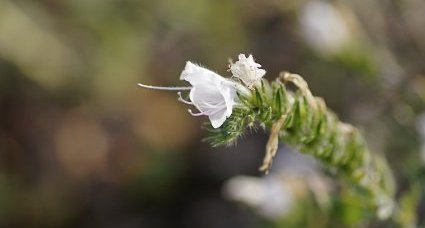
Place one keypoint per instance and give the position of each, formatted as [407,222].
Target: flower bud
[247,70]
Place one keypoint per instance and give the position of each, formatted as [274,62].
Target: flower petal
[230,98]
[218,119]
[195,74]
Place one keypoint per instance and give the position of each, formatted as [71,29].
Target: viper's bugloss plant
[294,117]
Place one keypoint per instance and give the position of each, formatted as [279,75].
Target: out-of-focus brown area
[82,146]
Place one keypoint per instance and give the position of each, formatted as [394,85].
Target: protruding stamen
[195,114]
[164,88]
[181,99]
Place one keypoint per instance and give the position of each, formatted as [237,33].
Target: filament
[181,99]
[195,114]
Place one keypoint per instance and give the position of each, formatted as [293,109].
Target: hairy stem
[304,122]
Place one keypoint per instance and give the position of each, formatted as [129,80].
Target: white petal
[206,98]
[242,56]
[230,97]
[260,73]
[217,119]
[195,74]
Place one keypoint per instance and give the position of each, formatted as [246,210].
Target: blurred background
[82,146]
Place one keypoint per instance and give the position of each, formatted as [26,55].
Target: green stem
[304,122]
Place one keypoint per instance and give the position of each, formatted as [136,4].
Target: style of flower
[247,70]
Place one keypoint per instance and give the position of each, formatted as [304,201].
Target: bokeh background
[82,146]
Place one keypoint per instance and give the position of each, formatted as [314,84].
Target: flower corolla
[213,95]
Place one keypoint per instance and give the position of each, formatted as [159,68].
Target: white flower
[213,95]
[247,70]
